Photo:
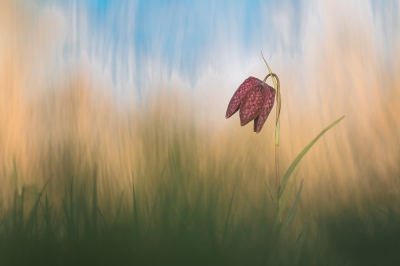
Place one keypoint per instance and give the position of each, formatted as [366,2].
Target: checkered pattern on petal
[240,94]
[252,104]
[269,100]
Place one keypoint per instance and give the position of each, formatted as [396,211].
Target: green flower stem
[275,80]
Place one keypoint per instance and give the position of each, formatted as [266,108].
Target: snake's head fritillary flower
[254,99]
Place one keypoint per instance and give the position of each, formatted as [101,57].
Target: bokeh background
[135,93]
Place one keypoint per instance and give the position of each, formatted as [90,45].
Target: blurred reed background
[171,142]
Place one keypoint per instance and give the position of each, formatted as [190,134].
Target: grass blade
[119,208]
[284,202]
[294,208]
[135,208]
[94,203]
[229,213]
[301,155]
[270,71]
[270,194]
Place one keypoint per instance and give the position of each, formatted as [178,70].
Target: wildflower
[254,99]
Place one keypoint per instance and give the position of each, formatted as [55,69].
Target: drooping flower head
[254,99]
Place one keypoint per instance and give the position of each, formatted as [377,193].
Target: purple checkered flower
[254,99]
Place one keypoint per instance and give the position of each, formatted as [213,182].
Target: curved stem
[278,111]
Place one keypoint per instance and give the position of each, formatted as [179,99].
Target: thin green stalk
[94,210]
[229,213]
[276,82]
[135,208]
[118,209]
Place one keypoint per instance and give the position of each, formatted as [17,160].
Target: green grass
[178,234]
[154,187]
[168,180]
[179,231]
[171,194]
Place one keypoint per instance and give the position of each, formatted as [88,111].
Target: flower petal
[269,100]
[252,104]
[240,94]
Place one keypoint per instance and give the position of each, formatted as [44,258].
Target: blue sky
[185,38]
[134,44]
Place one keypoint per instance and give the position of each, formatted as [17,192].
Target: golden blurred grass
[62,128]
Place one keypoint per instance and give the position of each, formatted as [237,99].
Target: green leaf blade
[284,202]
[293,210]
[301,155]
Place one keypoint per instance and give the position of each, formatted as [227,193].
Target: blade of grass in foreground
[118,209]
[294,208]
[300,156]
[285,201]
[229,213]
